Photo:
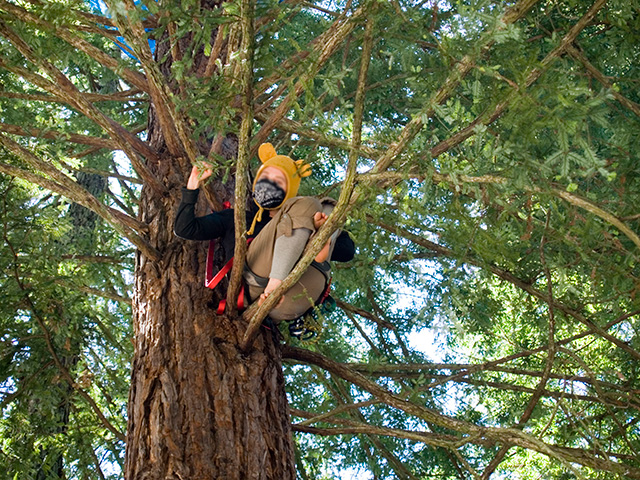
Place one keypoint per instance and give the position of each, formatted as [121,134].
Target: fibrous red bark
[199,407]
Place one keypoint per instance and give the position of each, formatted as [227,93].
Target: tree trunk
[199,407]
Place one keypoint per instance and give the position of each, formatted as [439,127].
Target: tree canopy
[484,158]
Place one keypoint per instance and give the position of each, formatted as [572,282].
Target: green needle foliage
[488,326]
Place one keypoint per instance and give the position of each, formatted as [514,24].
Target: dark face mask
[268,194]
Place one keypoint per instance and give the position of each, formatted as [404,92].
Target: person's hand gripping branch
[198,174]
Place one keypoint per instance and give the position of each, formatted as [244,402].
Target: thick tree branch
[125,96]
[471,433]
[409,132]
[578,55]
[509,277]
[391,178]
[339,213]
[65,89]
[340,29]
[175,130]
[244,147]
[57,135]
[433,439]
[423,370]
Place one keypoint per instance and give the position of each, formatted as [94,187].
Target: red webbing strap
[210,251]
[326,293]
[223,303]
[221,306]
[213,282]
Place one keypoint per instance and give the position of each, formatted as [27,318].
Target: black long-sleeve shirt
[220,225]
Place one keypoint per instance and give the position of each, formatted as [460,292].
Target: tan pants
[296,212]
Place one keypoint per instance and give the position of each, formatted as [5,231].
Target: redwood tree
[482,155]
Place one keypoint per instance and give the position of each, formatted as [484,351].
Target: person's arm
[287,252]
[190,227]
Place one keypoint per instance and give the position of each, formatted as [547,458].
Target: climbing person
[280,224]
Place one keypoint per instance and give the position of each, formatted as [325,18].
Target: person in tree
[279,237]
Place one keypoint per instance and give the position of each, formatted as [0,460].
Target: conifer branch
[339,30]
[128,75]
[177,135]
[332,413]
[22,386]
[343,396]
[511,278]
[113,260]
[414,126]
[470,433]
[216,50]
[106,174]
[490,117]
[357,428]
[58,135]
[404,370]
[285,73]
[578,55]
[51,348]
[572,198]
[362,333]
[67,187]
[409,132]
[66,90]
[318,137]
[363,313]
[124,96]
[95,292]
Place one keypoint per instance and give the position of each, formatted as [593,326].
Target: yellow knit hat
[294,170]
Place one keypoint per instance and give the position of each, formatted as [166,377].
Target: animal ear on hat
[266,151]
[304,169]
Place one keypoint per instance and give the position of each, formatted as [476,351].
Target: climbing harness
[212,281]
